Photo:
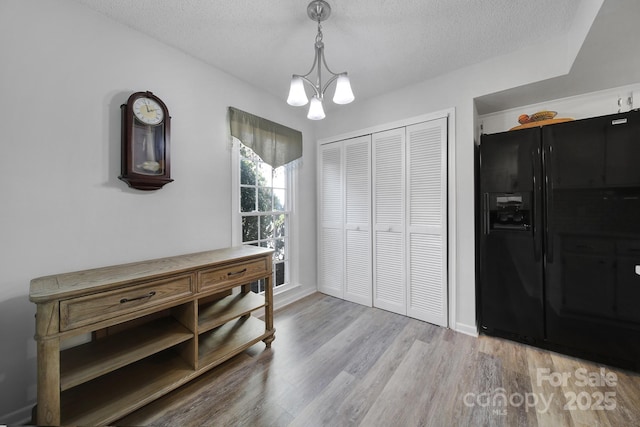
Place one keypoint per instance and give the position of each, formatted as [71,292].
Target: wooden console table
[154,325]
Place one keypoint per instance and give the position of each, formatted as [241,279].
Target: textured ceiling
[609,58]
[384,45]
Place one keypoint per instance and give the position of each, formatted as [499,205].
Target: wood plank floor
[335,363]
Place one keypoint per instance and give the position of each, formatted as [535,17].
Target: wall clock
[145,142]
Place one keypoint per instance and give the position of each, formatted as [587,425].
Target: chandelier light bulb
[343,94]
[316,112]
[297,95]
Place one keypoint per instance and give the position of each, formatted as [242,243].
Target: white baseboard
[18,418]
[287,297]
[291,296]
[467,329]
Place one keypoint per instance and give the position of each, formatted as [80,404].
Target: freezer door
[506,162]
[601,152]
[510,277]
[622,151]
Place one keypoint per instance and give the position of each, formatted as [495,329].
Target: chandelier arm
[306,80]
[324,61]
[331,80]
[319,50]
[315,62]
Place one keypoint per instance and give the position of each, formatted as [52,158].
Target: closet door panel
[331,185]
[389,178]
[426,221]
[389,285]
[357,228]
[388,211]
[331,235]
[358,286]
[331,274]
[426,300]
[357,174]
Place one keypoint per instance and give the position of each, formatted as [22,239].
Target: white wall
[592,104]
[457,90]
[64,72]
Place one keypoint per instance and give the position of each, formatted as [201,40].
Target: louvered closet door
[357,228]
[330,273]
[388,217]
[426,243]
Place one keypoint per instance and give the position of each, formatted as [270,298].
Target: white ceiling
[383,44]
[609,58]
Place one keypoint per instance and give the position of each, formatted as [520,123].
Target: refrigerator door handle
[537,244]
[485,213]
[548,197]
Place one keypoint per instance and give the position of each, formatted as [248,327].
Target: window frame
[290,260]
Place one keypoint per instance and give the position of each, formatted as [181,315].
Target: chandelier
[319,10]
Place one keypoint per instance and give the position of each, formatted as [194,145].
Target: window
[262,189]
[264,211]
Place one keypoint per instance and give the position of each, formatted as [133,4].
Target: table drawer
[221,278]
[95,308]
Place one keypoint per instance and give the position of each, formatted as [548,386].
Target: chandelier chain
[319,35]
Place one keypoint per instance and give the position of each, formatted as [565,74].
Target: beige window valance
[276,144]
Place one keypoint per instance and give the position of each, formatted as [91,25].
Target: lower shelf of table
[118,393]
[218,345]
[92,360]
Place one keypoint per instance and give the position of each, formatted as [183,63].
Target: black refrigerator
[559,237]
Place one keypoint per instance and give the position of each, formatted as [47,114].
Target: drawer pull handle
[149,295]
[236,273]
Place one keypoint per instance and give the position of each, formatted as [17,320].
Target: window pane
[247,172]
[258,286]
[280,276]
[266,227]
[249,228]
[279,201]
[266,172]
[267,244]
[279,177]
[278,245]
[264,199]
[279,224]
[247,199]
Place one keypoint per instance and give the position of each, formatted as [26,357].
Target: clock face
[148,111]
